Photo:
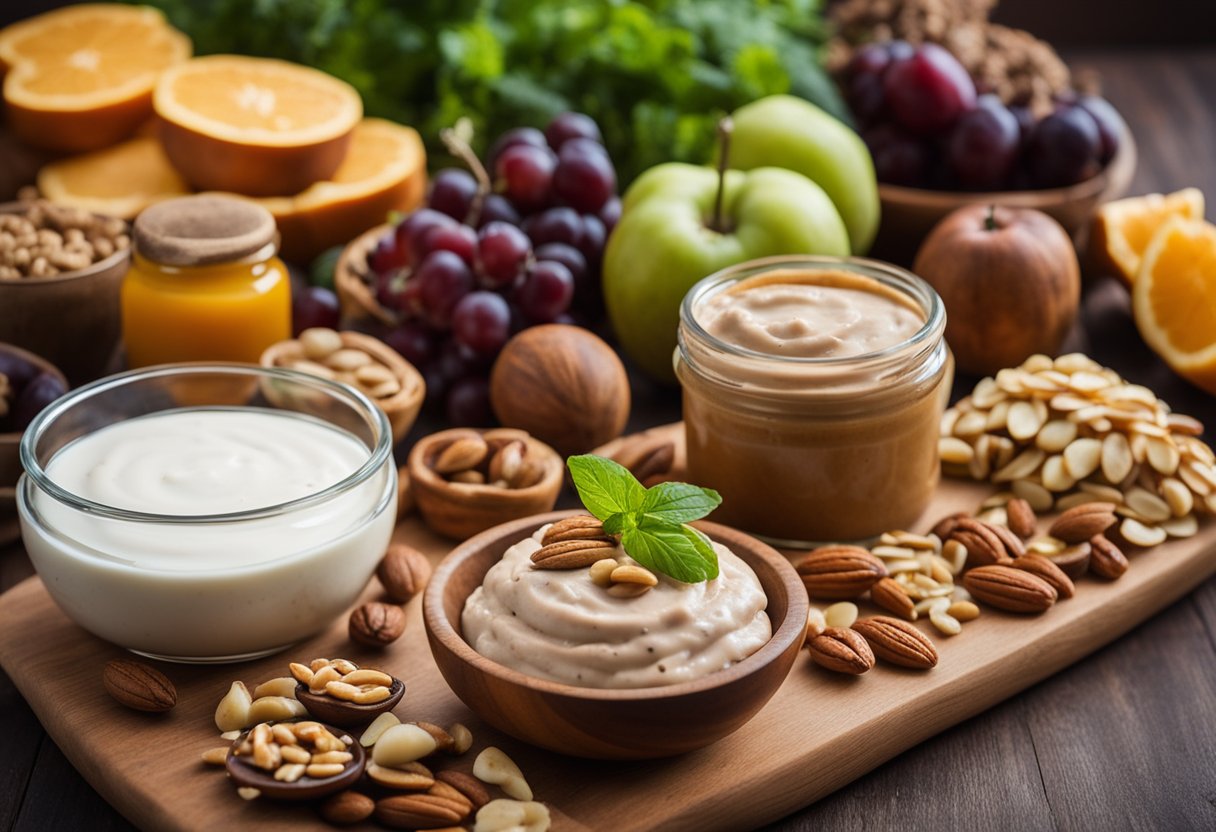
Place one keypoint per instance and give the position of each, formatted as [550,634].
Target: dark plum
[983,146]
[1110,123]
[927,92]
[1064,149]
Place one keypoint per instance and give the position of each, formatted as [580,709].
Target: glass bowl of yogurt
[179,513]
[556,662]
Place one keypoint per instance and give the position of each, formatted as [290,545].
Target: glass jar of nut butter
[813,391]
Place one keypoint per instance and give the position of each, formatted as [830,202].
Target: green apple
[787,132]
[664,244]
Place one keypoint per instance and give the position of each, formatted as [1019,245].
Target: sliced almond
[1177,496]
[954,450]
[1082,457]
[1140,534]
[1116,457]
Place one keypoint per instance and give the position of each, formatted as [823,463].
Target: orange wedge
[254,126]
[81,77]
[384,171]
[1122,229]
[1174,298]
[119,181]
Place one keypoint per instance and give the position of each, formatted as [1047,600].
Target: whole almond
[467,785]
[460,454]
[1021,518]
[346,808]
[1014,547]
[898,642]
[1074,560]
[572,554]
[1082,522]
[579,527]
[375,624]
[1106,560]
[983,545]
[893,598]
[841,650]
[507,462]
[419,811]
[403,572]
[138,686]
[942,528]
[1009,589]
[1048,571]
[837,573]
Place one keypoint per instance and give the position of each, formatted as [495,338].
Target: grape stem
[725,127]
[990,219]
[457,140]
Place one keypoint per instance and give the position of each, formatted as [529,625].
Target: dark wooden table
[1126,739]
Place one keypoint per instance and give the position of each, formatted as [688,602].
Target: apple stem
[725,127]
[458,140]
[990,220]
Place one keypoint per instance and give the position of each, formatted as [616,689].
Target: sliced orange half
[1122,229]
[254,126]
[384,171]
[119,181]
[1174,298]
[81,77]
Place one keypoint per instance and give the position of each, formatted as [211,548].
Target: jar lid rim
[203,229]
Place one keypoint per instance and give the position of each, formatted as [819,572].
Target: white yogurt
[207,589]
[556,624]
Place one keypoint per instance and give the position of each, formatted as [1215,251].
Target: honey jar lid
[202,230]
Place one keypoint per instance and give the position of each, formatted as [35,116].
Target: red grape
[557,225]
[391,291]
[568,256]
[546,291]
[610,214]
[928,91]
[387,257]
[1064,149]
[583,179]
[443,280]
[482,322]
[984,145]
[409,231]
[571,126]
[591,244]
[519,135]
[497,208]
[458,239]
[468,403]
[313,306]
[451,192]
[412,340]
[1110,124]
[502,250]
[523,174]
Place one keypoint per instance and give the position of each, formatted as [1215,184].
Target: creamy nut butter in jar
[813,391]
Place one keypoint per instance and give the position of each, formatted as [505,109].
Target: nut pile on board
[1068,432]
[580,542]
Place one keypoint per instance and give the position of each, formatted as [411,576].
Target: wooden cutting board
[818,733]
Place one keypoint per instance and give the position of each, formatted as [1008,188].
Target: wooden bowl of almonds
[61,270]
[361,361]
[465,481]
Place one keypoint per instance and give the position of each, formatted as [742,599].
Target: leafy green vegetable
[650,521]
[655,74]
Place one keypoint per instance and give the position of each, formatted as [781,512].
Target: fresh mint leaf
[679,502]
[605,487]
[678,551]
[620,523]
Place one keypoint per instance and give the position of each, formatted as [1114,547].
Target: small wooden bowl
[624,724]
[401,408]
[73,319]
[909,214]
[460,510]
[306,788]
[10,448]
[332,711]
[355,296]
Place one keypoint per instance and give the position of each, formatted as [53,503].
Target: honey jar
[813,388]
[205,283]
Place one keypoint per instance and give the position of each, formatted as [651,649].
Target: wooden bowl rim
[421,473]
[413,385]
[347,281]
[1094,187]
[44,366]
[790,629]
[93,270]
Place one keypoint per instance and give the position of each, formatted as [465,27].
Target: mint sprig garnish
[651,521]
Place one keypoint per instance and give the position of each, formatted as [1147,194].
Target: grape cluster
[484,260]
[927,125]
